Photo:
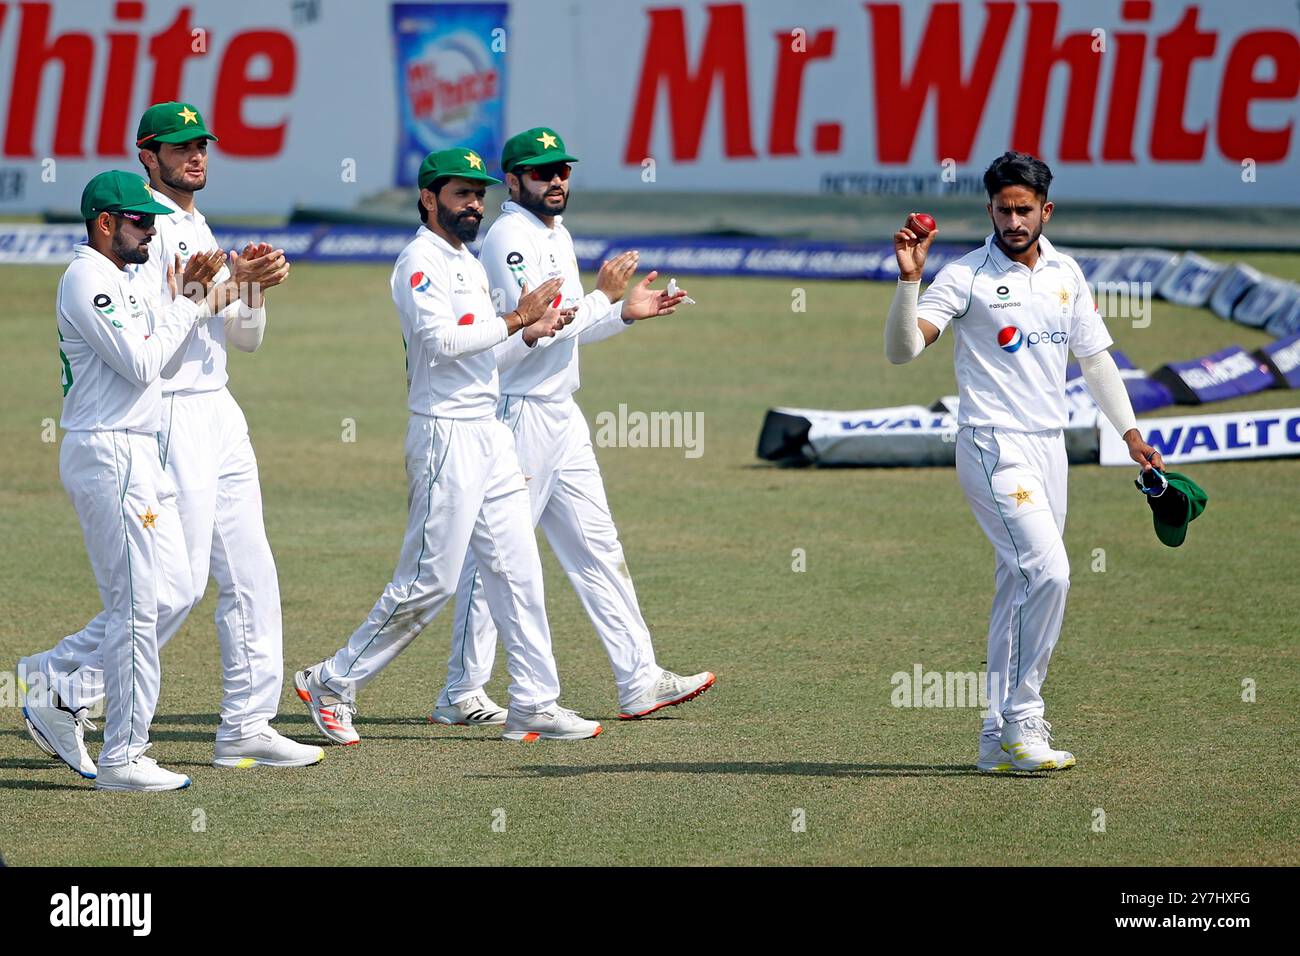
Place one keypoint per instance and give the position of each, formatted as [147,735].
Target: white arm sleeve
[1108,391]
[607,326]
[244,326]
[903,338]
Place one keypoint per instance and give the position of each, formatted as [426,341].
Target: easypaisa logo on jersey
[1011,338]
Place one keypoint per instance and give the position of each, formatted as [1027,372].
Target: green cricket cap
[1177,507]
[534,147]
[116,191]
[171,123]
[457,161]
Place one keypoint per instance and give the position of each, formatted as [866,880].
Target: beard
[463,225]
[175,178]
[129,250]
[538,206]
[1022,245]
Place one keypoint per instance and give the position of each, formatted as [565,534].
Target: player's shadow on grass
[40,784]
[757,768]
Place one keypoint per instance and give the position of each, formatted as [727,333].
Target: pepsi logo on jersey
[1011,338]
[419,281]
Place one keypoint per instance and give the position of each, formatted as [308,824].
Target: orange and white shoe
[668,691]
[330,712]
[555,723]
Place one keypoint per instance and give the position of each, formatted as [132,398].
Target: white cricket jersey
[1015,328]
[113,343]
[201,367]
[440,290]
[520,248]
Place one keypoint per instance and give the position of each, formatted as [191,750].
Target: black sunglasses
[144,220]
[544,174]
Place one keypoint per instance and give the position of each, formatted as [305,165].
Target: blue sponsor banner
[1145,393]
[1283,359]
[451,81]
[1228,373]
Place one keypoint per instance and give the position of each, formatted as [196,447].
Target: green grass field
[1146,684]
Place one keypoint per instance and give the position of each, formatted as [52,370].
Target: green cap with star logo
[116,191]
[457,161]
[171,123]
[534,147]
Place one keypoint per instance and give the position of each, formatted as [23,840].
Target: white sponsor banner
[907,98]
[1161,103]
[1223,437]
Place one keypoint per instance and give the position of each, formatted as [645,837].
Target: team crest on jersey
[420,282]
[1010,339]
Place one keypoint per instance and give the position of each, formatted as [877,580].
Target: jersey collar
[176,210]
[1047,254]
[510,206]
[84,250]
[441,244]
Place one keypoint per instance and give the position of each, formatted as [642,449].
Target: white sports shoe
[1028,742]
[142,773]
[331,713]
[477,710]
[668,691]
[62,733]
[993,759]
[267,749]
[23,703]
[556,723]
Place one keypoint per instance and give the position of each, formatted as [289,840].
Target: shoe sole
[38,740]
[1045,765]
[35,727]
[444,722]
[305,696]
[246,763]
[32,731]
[1000,768]
[532,736]
[113,788]
[673,703]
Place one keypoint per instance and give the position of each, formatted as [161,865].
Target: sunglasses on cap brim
[544,174]
[144,220]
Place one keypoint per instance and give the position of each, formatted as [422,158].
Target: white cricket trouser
[465,491]
[208,457]
[127,507]
[1016,484]
[568,501]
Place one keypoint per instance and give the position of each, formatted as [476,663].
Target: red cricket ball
[921,223]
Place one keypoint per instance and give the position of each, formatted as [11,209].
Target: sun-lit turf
[1145,688]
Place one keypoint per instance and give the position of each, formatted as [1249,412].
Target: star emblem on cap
[188,115]
[148,518]
[473,160]
[547,139]
[1022,496]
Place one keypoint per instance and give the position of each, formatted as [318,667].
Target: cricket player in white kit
[527,245]
[1018,307]
[466,489]
[204,446]
[115,338]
